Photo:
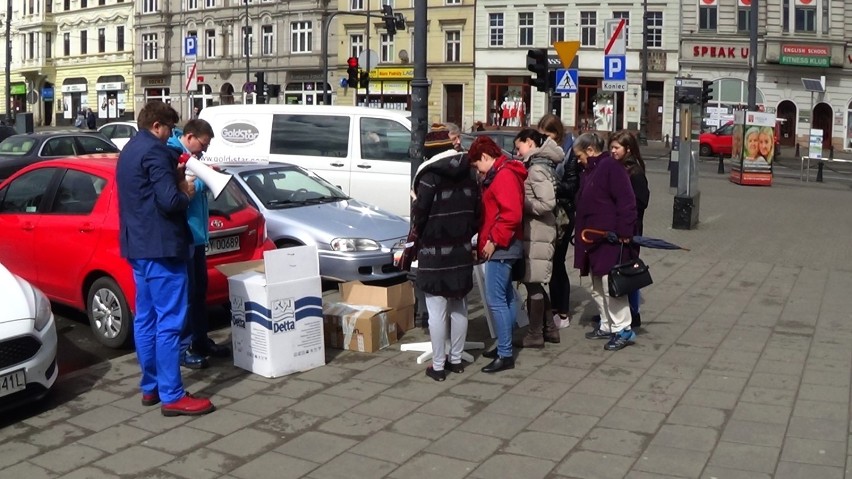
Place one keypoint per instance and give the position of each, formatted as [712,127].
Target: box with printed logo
[357,327]
[276,312]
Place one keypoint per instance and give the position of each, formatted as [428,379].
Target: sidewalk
[742,370]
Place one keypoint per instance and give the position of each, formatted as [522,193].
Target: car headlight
[42,310]
[354,244]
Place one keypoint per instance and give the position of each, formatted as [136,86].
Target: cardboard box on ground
[276,312]
[369,318]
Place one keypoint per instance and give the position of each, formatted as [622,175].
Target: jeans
[501,301]
[195,328]
[161,303]
[634,299]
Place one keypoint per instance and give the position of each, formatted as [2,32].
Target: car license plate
[222,245]
[12,382]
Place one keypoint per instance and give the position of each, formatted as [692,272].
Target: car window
[24,193]
[77,193]
[230,201]
[17,146]
[124,131]
[108,131]
[310,135]
[725,130]
[59,146]
[89,145]
[383,139]
[278,186]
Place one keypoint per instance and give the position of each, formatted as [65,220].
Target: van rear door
[319,143]
[381,169]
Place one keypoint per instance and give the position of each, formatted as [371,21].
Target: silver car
[354,239]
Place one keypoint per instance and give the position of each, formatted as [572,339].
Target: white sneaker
[561,322]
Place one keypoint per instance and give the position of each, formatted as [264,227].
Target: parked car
[119,132]
[18,151]
[60,232]
[505,139]
[27,342]
[354,239]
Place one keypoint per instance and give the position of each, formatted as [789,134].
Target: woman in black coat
[91,119]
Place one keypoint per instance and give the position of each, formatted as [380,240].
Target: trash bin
[24,122]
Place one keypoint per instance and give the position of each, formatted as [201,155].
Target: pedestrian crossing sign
[566,80]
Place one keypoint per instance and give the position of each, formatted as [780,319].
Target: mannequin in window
[506,109]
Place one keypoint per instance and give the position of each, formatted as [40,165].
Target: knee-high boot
[551,330]
[536,311]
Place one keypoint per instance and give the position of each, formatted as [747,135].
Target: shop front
[156,89]
[18,92]
[48,95]
[112,98]
[508,100]
[305,88]
[74,100]
[389,88]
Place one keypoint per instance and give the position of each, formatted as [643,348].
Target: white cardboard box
[276,312]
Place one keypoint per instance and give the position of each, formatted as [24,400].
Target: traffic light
[363,79]
[707,92]
[260,87]
[390,22]
[274,90]
[353,72]
[537,63]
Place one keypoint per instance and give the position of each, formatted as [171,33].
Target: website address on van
[235,160]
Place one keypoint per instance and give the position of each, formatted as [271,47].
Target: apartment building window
[48,7]
[356,5]
[356,44]
[48,45]
[267,40]
[495,29]
[83,4]
[655,30]
[743,18]
[192,4]
[119,38]
[248,40]
[806,19]
[66,44]
[66,5]
[588,29]
[386,2]
[454,2]
[708,17]
[301,37]
[100,2]
[149,47]
[626,17]
[31,7]
[84,42]
[453,38]
[101,40]
[210,43]
[150,6]
[556,21]
[386,48]
[209,3]
[31,43]
[525,29]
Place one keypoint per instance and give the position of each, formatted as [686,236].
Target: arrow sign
[567,51]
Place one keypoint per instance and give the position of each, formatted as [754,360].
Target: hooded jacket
[502,204]
[197,214]
[605,202]
[444,215]
[539,205]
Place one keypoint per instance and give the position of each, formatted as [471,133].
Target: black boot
[499,364]
[551,330]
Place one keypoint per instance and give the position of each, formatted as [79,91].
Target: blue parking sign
[615,67]
[190,46]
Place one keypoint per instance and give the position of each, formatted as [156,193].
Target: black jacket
[91,120]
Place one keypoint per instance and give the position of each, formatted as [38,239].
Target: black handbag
[625,278]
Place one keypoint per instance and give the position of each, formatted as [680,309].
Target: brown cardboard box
[399,298]
[357,328]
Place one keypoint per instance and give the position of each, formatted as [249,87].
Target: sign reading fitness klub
[805,55]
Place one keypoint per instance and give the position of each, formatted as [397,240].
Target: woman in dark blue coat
[605,202]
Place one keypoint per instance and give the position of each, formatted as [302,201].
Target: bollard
[667,140]
[831,152]
[797,150]
[819,171]
[721,169]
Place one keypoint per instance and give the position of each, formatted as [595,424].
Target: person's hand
[612,238]
[187,187]
[488,250]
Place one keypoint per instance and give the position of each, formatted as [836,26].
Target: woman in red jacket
[500,240]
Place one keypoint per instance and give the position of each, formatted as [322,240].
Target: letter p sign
[615,67]
[190,46]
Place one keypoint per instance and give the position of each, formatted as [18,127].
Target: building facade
[235,40]
[798,39]
[449,58]
[70,55]
[506,31]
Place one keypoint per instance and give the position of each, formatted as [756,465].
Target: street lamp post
[643,115]
[8,117]
[246,48]
[752,57]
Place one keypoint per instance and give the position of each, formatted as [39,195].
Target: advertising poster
[753,148]
[815,144]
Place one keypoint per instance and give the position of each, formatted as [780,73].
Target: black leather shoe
[598,334]
[635,320]
[499,364]
[454,368]
[210,348]
[491,354]
[436,375]
[193,361]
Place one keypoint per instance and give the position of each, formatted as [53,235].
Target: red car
[60,232]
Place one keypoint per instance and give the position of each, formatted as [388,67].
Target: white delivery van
[363,151]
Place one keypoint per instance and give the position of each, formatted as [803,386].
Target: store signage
[391,73]
[720,51]
[805,55]
[109,86]
[74,88]
[155,81]
[18,89]
[47,93]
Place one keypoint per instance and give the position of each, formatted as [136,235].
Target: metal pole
[246,46]
[367,66]
[643,112]
[752,67]
[419,88]
[9,62]
[324,48]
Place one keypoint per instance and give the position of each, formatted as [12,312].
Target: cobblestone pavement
[741,370]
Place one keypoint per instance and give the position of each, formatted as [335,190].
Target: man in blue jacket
[196,345]
[153,196]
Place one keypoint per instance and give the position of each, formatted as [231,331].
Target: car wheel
[705,150]
[109,314]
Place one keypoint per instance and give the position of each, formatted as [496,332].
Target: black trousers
[560,285]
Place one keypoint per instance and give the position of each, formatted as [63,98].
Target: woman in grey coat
[540,156]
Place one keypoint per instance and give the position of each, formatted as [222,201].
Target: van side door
[381,170]
[319,143]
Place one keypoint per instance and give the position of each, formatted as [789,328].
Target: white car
[119,132]
[27,342]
